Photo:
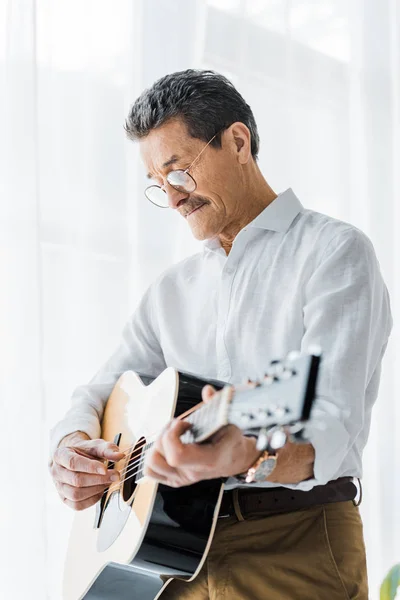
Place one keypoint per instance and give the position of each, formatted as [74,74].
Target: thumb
[208,392]
[99,449]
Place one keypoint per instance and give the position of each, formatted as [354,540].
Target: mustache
[191,206]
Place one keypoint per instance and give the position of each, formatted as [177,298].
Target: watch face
[265,469]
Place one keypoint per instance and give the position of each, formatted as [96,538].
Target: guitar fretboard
[204,421]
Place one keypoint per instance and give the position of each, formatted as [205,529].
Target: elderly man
[273,276]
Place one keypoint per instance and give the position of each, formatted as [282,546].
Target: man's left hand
[176,464]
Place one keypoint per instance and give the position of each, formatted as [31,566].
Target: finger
[225,431]
[157,463]
[208,392]
[83,504]
[174,429]
[178,454]
[78,479]
[78,494]
[99,449]
[69,459]
[158,476]
[158,445]
[173,480]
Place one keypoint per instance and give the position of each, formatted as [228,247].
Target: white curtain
[79,243]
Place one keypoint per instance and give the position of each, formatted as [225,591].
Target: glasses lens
[181,181]
[157,196]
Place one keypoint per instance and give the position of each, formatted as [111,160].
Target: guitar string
[117,485]
[152,438]
[131,465]
[155,433]
[140,458]
[239,387]
[130,468]
[133,471]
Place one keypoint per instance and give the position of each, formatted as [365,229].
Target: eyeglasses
[179,179]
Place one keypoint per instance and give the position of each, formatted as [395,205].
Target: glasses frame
[185,171]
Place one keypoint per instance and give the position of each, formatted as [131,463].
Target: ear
[241,140]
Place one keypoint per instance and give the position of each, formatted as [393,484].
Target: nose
[174,196]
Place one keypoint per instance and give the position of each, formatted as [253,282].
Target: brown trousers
[316,553]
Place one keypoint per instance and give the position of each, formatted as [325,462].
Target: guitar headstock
[280,403]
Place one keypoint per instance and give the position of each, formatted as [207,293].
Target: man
[273,277]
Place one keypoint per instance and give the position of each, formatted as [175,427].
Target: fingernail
[114,477]
[101,471]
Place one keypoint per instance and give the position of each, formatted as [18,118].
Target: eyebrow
[174,159]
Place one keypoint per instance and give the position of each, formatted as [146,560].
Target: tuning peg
[288,374]
[272,440]
[246,419]
[278,439]
[262,440]
[276,369]
[314,349]
[254,382]
[268,379]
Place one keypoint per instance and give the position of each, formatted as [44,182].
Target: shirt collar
[277,216]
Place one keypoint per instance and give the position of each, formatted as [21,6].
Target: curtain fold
[79,244]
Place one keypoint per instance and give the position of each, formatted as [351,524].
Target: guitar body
[142,534]
[148,532]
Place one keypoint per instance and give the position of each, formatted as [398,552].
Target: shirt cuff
[88,425]
[331,442]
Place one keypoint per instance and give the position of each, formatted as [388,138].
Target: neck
[257,197]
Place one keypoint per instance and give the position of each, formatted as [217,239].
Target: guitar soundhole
[134,470]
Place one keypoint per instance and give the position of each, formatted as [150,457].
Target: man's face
[216,201]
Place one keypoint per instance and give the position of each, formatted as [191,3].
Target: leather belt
[242,501]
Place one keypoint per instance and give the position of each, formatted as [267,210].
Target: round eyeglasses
[179,179]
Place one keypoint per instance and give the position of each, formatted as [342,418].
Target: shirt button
[229,271]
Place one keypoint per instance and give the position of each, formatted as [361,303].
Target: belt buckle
[356,501]
[224,498]
[235,506]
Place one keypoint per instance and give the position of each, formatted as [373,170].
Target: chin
[203,232]
[200,235]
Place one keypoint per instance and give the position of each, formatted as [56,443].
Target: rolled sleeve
[347,313]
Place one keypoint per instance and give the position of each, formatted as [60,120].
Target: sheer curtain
[79,244]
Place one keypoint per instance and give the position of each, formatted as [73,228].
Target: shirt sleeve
[346,311]
[138,350]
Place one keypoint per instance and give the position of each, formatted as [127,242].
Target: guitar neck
[283,398]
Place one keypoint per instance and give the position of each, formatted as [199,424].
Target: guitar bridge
[101,503]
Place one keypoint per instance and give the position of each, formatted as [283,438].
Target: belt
[242,501]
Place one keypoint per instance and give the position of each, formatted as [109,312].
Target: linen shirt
[293,278]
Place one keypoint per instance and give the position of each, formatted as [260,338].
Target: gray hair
[206,101]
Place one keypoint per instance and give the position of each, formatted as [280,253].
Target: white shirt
[293,278]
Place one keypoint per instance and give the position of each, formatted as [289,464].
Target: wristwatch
[261,469]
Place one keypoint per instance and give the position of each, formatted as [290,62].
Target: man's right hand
[78,470]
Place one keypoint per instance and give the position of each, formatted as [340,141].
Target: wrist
[251,453]
[72,438]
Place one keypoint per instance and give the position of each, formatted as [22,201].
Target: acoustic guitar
[142,534]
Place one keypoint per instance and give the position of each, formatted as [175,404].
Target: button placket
[228,276]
